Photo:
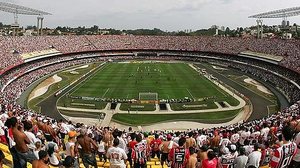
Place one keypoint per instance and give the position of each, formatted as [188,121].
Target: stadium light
[22,10]
[281,13]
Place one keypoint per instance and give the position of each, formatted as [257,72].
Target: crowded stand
[12,47]
[264,71]
[264,142]
[37,139]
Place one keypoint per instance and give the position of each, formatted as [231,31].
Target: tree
[30,27]
[241,29]
[181,33]
[95,28]
[204,32]
[154,31]
[227,31]
[62,29]
[114,32]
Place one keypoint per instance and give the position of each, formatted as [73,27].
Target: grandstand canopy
[282,13]
[17,9]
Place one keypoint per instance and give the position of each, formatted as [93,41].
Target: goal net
[148,96]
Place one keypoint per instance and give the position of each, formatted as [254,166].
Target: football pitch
[169,80]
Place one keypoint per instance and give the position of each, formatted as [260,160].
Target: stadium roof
[17,9]
[282,13]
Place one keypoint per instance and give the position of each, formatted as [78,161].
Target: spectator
[193,161]
[53,151]
[28,132]
[139,153]
[211,161]
[179,156]
[266,153]
[283,155]
[25,155]
[155,146]
[227,158]
[42,162]
[296,159]
[69,162]
[254,157]
[190,141]
[202,153]
[165,148]
[116,155]
[241,160]
[38,147]
[87,144]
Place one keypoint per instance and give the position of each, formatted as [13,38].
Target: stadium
[152,84]
[203,75]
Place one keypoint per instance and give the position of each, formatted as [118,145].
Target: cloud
[164,14]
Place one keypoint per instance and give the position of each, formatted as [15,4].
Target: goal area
[148,96]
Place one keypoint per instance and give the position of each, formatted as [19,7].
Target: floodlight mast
[15,25]
[16,17]
[260,28]
[40,19]
[282,13]
[17,9]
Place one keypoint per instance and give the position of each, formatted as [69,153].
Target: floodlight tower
[39,26]
[17,10]
[282,13]
[260,28]
[15,25]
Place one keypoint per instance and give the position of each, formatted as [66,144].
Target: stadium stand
[12,47]
[267,142]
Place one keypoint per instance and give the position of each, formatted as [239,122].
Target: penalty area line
[190,93]
[105,93]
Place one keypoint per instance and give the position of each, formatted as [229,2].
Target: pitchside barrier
[148,101]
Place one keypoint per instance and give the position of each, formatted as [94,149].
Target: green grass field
[127,80]
[169,80]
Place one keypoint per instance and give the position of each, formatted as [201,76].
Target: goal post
[148,96]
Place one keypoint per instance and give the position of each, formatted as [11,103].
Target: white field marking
[190,93]
[92,73]
[80,84]
[192,66]
[199,105]
[105,92]
[206,78]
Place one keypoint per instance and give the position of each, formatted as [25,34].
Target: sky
[167,15]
